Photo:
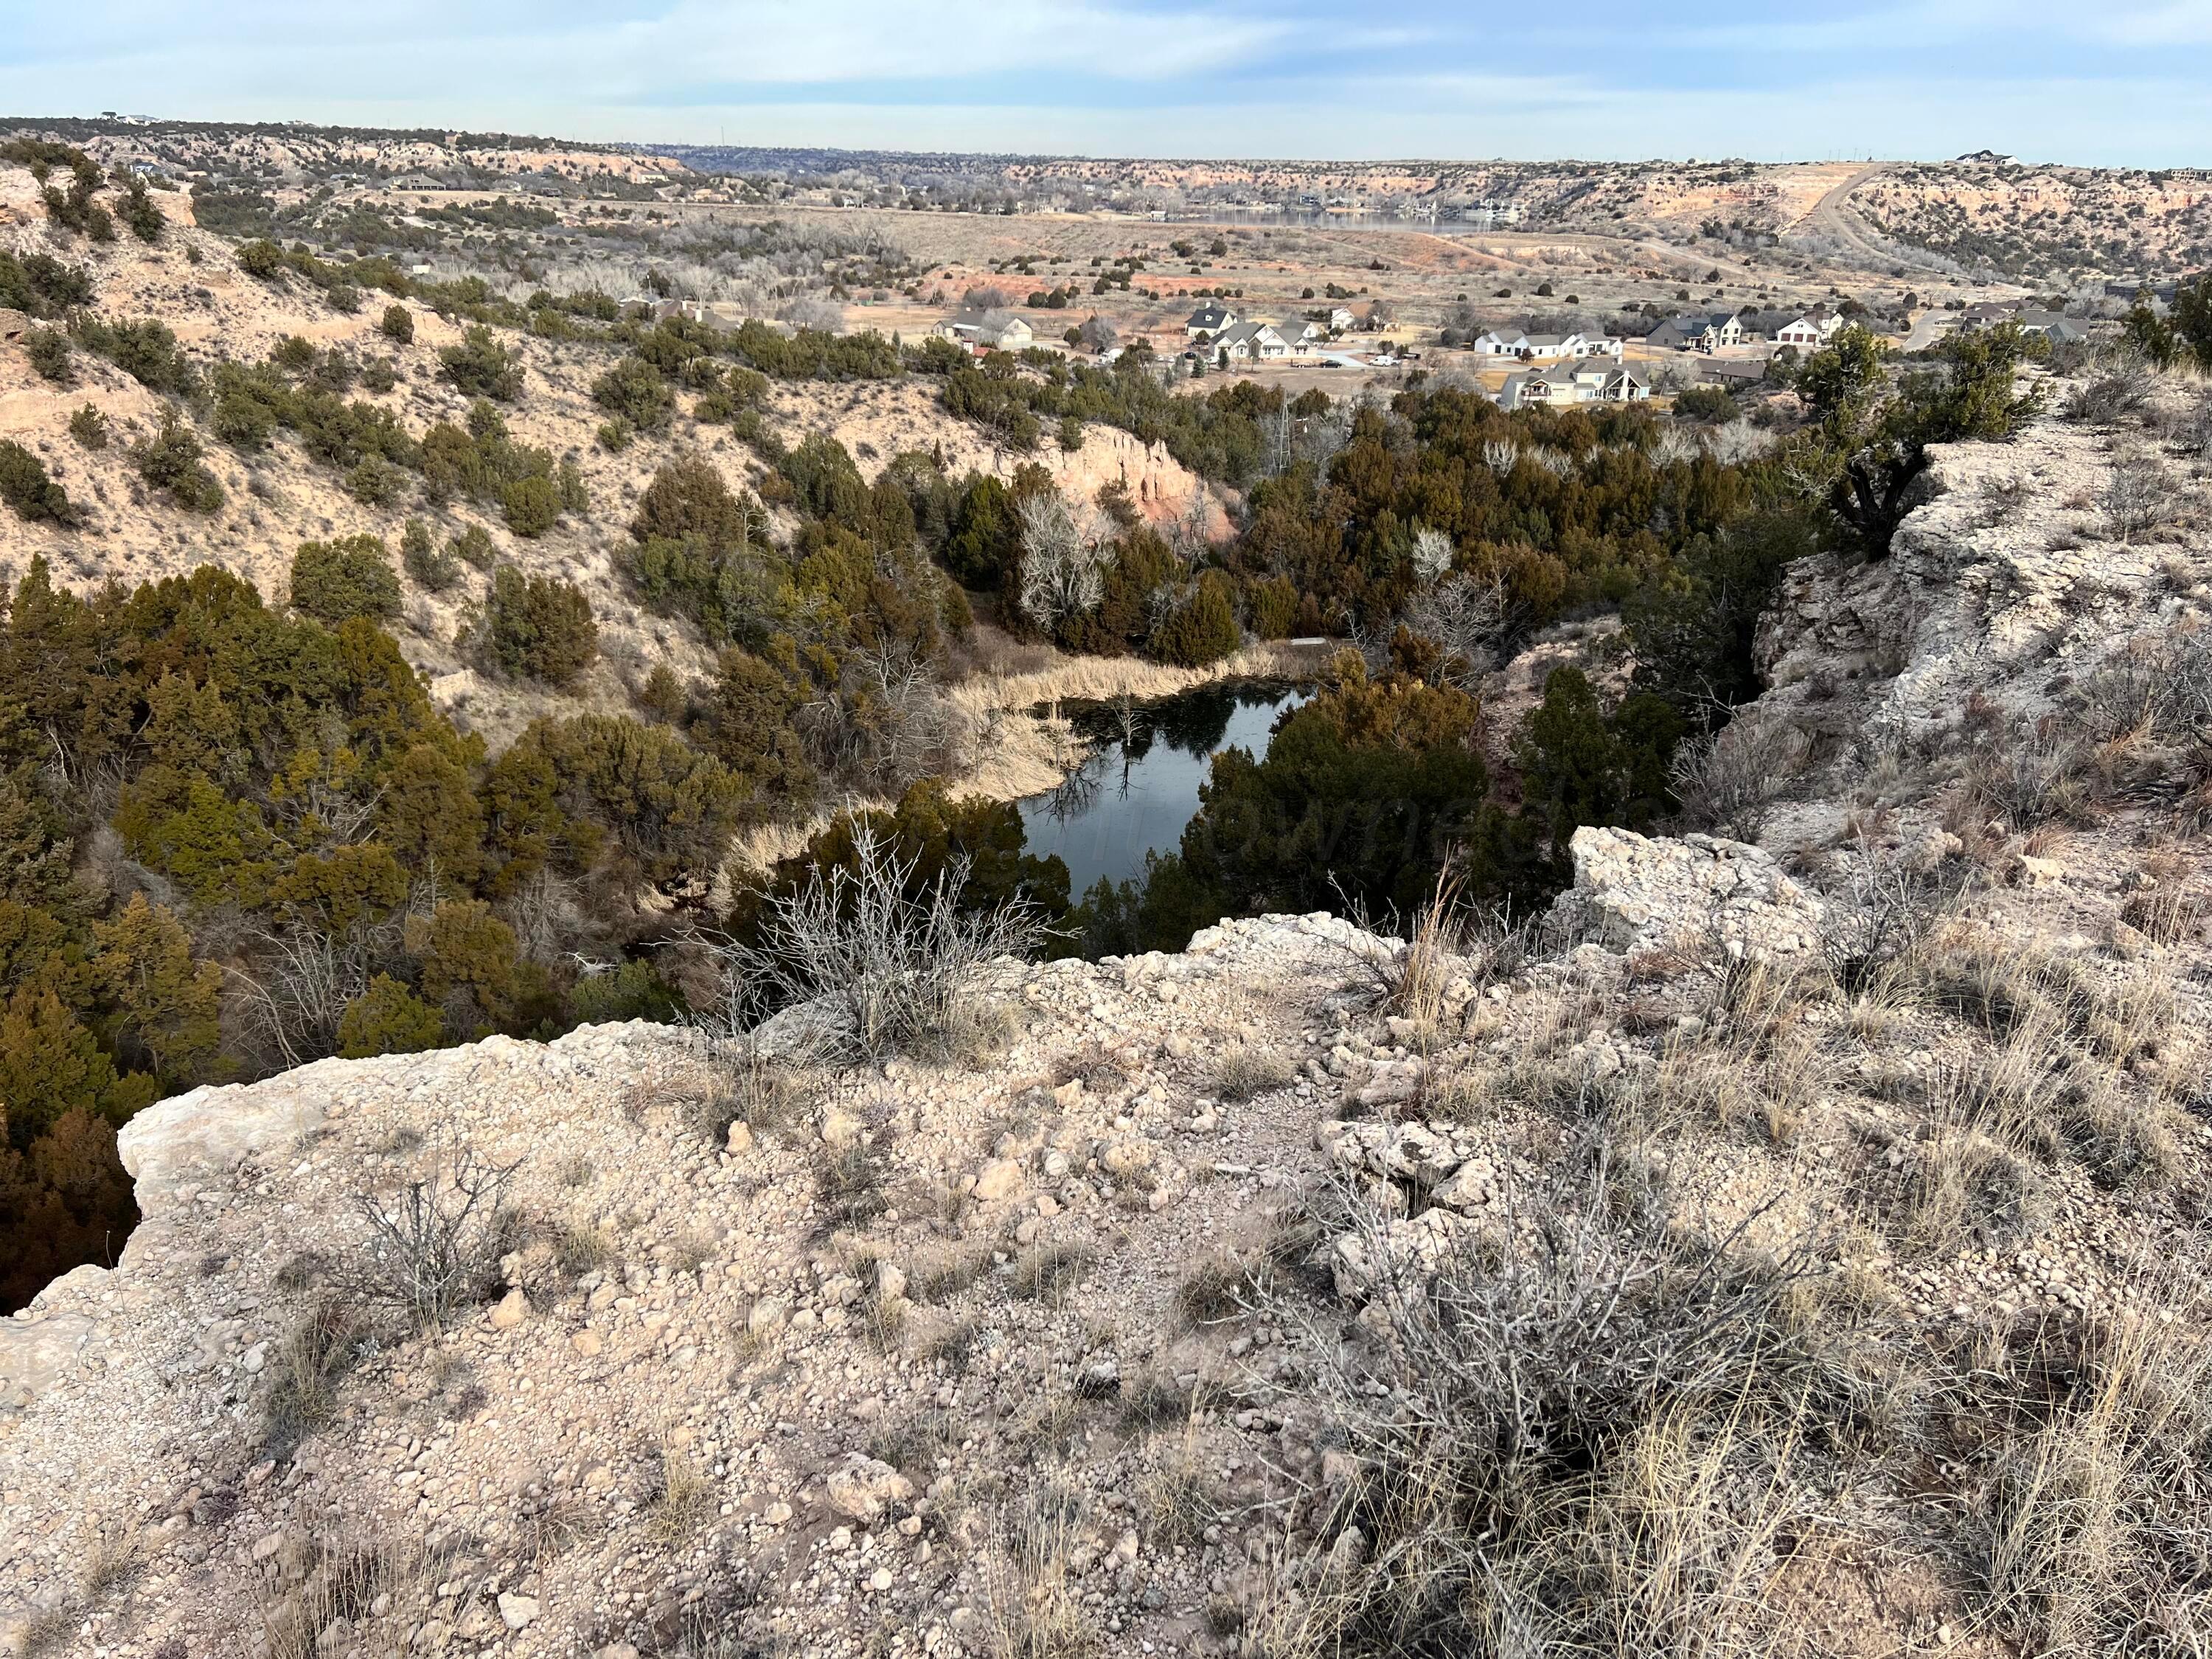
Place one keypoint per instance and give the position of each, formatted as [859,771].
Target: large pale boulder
[34,1353]
[210,1131]
[1636,892]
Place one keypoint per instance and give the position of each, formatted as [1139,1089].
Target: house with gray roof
[1244,342]
[1705,333]
[1209,319]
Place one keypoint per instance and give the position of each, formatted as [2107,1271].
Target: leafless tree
[297,987]
[1098,334]
[1738,441]
[815,311]
[1433,553]
[1190,536]
[1276,429]
[1063,565]
[1464,616]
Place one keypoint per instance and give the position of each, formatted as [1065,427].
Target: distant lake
[1133,796]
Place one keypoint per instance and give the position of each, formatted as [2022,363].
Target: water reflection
[1139,785]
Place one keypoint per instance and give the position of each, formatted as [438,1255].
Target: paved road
[1933,325]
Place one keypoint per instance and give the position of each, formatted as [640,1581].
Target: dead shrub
[885,960]
[1881,912]
[428,1253]
[1554,1438]
[2138,497]
[1728,783]
[2108,400]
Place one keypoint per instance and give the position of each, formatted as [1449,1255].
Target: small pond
[1138,787]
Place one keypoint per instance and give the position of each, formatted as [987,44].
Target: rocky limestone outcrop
[2006,580]
[1635,893]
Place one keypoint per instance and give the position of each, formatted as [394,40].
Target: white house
[1700,333]
[1340,317]
[1568,383]
[987,331]
[1624,386]
[1511,342]
[1500,342]
[1810,331]
[1209,319]
[1244,342]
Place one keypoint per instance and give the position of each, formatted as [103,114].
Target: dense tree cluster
[232,840]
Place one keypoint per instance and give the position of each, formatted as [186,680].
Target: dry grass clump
[682,1496]
[940,1277]
[1177,1494]
[2035,1079]
[1051,1272]
[849,1180]
[1579,1436]
[1447,940]
[555,1524]
[1032,1607]
[917,1439]
[2084,1517]
[1216,1286]
[745,1085]
[1247,1069]
[581,1247]
[2029,775]
[373,1590]
[305,1375]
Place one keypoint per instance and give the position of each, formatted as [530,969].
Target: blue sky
[2120,82]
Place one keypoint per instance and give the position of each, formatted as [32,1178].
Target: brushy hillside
[1791,1242]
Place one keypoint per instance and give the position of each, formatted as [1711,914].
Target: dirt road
[1831,217]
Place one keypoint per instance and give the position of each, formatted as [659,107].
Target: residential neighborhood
[1555,359]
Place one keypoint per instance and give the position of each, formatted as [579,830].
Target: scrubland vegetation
[242,836]
[1825,1299]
